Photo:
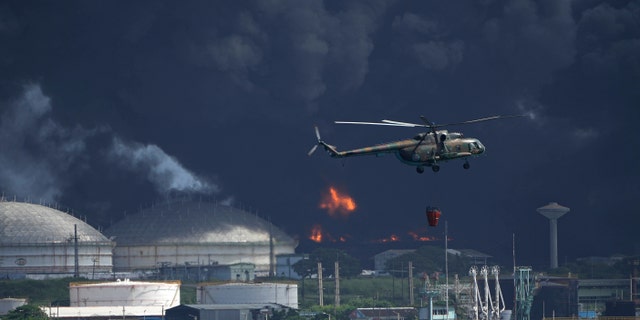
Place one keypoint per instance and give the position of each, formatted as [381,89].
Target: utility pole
[337,273]
[76,264]
[411,283]
[320,289]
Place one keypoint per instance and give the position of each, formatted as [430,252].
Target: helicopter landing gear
[435,168]
[466,165]
[419,169]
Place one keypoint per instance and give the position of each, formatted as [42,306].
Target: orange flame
[417,237]
[316,233]
[335,202]
[391,238]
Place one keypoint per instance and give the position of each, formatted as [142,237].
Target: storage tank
[39,241]
[249,293]
[125,293]
[182,234]
[9,304]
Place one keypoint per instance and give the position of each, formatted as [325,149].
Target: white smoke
[36,152]
[40,157]
[164,171]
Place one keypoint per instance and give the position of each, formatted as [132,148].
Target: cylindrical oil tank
[234,293]
[125,293]
[8,304]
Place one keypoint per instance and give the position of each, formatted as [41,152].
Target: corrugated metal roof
[26,223]
[194,222]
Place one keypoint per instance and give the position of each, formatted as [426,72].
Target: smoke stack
[553,211]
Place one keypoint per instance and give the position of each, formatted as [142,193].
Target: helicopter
[426,149]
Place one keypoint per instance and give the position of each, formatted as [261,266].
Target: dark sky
[109,106]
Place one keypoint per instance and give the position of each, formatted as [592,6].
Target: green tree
[26,312]
[305,267]
[286,315]
[429,260]
[349,266]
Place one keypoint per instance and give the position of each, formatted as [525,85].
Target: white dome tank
[193,233]
[125,293]
[36,240]
[235,293]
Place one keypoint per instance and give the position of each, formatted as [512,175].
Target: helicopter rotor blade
[313,149]
[374,123]
[478,120]
[427,124]
[404,124]
[318,134]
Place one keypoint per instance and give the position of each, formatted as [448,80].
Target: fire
[316,233]
[417,237]
[319,235]
[335,202]
[391,238]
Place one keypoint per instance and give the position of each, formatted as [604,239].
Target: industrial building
[223,311]
[234,272]
[37,241]
[284,265]
[187,233]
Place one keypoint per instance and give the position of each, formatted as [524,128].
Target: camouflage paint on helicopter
[426,149]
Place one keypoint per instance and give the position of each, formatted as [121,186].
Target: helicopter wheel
[435,168]
[420,169]
[466,165]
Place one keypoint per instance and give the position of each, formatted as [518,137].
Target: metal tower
[553,211]
[524,287]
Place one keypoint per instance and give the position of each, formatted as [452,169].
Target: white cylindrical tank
[234,293]
[125,293]
[8,304]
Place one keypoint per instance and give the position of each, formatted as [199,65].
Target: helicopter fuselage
[428,153]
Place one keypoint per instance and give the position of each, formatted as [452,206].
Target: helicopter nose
[479,147]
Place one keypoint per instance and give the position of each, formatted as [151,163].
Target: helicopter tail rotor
[329,148]
[313,149]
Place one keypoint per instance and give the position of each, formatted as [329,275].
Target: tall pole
[410,282]
[76,264]
[446,268]
[337,273]
[320,289]
[272,271]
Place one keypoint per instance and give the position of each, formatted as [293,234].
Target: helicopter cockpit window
[418,136]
